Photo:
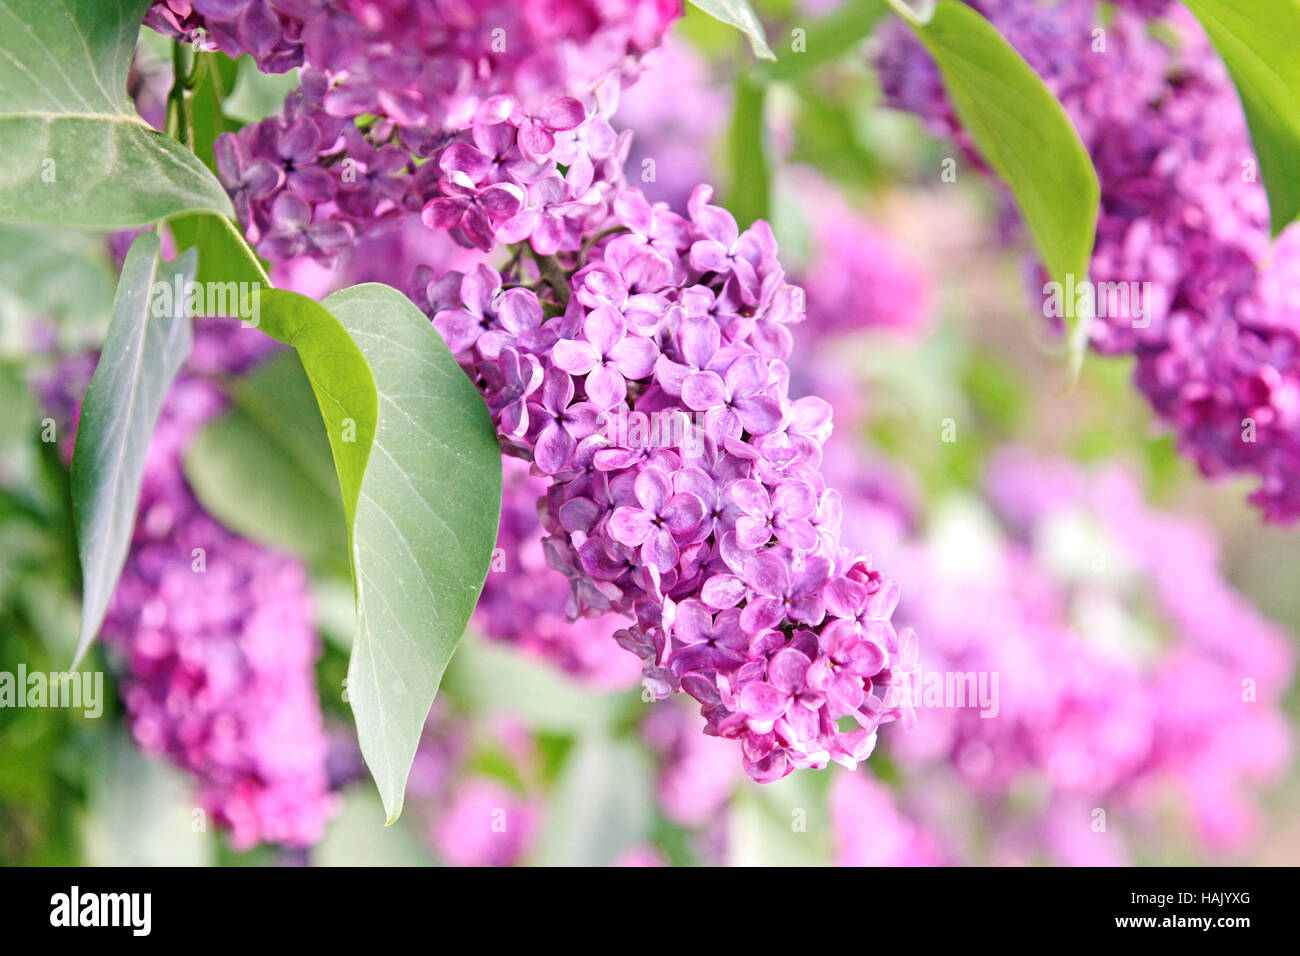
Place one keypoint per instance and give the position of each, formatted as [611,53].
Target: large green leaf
[75,151]
[264,468]
[1023,133]
[739,14]
[420,473]
[142,354]
[1258,40]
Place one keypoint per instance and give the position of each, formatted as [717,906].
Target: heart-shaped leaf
[76,152]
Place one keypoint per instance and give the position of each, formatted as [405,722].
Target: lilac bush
[725,561]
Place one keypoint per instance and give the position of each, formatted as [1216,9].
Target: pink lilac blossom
[870,830]
[1218,354]
[857,277]
[1127,669]
[466,817]
[720,543]
[215,634]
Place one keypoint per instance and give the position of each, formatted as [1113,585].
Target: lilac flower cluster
[215,633]
[711,526]
[1218,353]
[489,120]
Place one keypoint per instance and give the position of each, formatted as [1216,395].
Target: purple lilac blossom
[487,119]
[1218,353]
[780,639]
[719,543]
[218,658]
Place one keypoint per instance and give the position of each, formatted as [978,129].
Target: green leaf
[739,14]
[141,356]
[420,473]
[214,72]
[750,195]
[224,254]
[827,38]
[76,152]
[264,468]
[1023,133]
[1258,40]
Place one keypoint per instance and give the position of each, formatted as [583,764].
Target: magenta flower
[764,702]
[784,513]
[607,356]
[292,232]
[474,211]
[781,593]
[246,179]
[709,642]
[661,517]
[562,424]
[514,378]
[735,402]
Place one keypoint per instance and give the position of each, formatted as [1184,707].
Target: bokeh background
[1140,618]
